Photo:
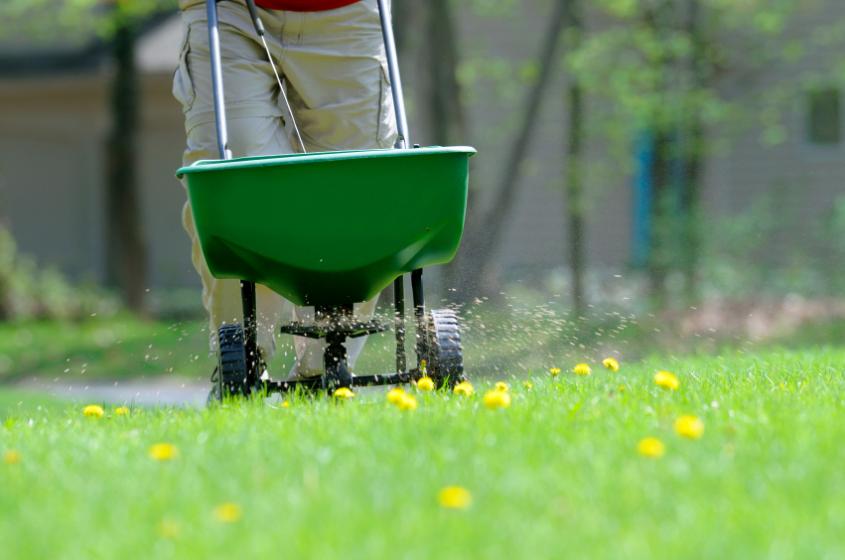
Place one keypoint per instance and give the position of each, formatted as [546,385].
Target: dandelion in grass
[528,385]
[425,384]
[689,426]
[11,457]
[464,388]
[169,529]
[121,411]
[343,394]
[611,363]
[395,395]
[497,399]
[93,411]
[502,386]
[651,447]
[454,497]
[285,404]
[554,371]
[667,380]
[407,402]
[163,452]
[582,369]
[228,512]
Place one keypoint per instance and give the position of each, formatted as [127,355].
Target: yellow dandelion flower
[554,371]
[122,411]
[11,457]
[163,451]
[395,395]
[689,426]
[651,447]
[502,386]
[527,385]
[93,411]
[425,384]
[343,393]
[228,512]
[454,497]
[667,380]
[582,369]
[464,388]
[407,402]
[169,529]
[611,363]
[497,399]
[285,404]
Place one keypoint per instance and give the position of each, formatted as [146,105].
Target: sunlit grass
[555,474]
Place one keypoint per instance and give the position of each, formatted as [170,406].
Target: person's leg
[338,87]
[255,128]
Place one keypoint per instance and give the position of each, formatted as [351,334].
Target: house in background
[54,122]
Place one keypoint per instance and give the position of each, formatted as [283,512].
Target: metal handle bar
[403,138]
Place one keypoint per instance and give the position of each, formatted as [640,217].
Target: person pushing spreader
[326,229]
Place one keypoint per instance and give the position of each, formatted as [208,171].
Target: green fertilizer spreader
[329,230]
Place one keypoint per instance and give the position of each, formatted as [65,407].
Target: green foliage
[28,292]
[46,19]
[555,474]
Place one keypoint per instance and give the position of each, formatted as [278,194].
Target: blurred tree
[442,108]
[126,246]
[484,232]
[662,71]
[575,207]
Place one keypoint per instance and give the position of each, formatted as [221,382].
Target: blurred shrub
[768,249]
[30,292]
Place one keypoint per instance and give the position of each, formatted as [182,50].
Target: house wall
[52,136]
[50,160]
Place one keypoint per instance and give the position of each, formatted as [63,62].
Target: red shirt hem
[303,5]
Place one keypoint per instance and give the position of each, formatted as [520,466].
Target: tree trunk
[657,20]
[661,218]
[446,115]
[126,251]
[485,233]
[575,207]
[693,158]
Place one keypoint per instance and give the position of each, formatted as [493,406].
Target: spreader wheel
[231,372]
[445,358]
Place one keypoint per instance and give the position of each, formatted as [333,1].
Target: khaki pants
[336,77]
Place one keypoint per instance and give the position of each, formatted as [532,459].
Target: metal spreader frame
[334,323]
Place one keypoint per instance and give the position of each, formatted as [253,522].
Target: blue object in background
[643,200]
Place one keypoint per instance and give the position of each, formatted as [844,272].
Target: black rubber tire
[337,376]
[445,361]
[231,369]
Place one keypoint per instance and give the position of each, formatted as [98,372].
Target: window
[824,122]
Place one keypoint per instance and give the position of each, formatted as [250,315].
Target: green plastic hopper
[329,228]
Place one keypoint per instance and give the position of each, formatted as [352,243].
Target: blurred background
[652,175]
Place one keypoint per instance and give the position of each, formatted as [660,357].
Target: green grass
[124,347]
[555,475]
[497,341]
[107,348]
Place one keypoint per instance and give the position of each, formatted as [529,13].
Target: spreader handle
[403,140]
[217,80]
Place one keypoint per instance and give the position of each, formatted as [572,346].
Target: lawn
[557,474]
[126,347]
[102,348]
